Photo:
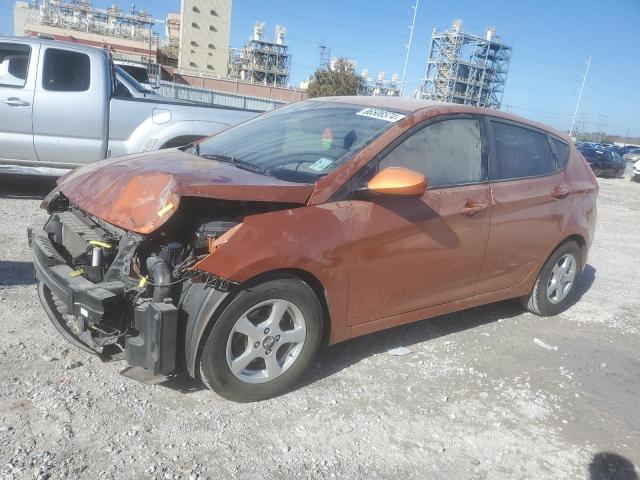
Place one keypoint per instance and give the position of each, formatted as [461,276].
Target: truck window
[66,71]
[14,64]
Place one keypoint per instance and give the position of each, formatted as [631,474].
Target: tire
[251,334]
[597,171]
[56,310]
[544,300]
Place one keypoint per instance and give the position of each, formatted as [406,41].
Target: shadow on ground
[14,273]
[611,466]
[26,186]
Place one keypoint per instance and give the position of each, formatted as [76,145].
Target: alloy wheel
[561,278]
[266,341]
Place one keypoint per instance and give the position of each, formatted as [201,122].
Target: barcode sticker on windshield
[380,114]
[321,164]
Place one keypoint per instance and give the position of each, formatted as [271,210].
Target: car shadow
[333,359]
[611,466]
[15,273]
[33,187]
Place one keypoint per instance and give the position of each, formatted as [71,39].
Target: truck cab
[60,107]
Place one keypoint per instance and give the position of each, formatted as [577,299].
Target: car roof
[59,43]
[413,105]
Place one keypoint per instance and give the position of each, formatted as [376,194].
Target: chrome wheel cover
[561,278]
[266,341]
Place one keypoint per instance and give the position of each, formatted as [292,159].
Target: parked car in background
[635,172]
[603,161]
[62,105]
[323,220]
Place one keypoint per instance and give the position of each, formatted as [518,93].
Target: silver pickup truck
[63,105]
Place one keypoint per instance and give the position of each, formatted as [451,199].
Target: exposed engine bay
[115,290]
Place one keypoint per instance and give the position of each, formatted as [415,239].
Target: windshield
[130,80]
[300,142]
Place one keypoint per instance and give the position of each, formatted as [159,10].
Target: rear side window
[520,153]
[14,64]
[562,152]
[447,152]
[66,71]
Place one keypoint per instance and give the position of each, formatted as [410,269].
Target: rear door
[18,65]
[70,116]
[412,253]
[530,193]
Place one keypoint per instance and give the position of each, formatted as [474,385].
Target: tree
[340,80]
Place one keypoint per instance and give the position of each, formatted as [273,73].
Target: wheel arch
[202,305]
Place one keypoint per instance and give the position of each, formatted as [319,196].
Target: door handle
[15,102]
[560,192]
[471,208]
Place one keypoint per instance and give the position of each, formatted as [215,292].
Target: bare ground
[476,397]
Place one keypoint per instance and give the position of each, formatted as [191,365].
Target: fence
[211,97]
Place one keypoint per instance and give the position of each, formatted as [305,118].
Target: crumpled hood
[141,192]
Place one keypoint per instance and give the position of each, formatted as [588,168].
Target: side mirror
[398,181]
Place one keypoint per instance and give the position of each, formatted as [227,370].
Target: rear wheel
[263,341]
[556,285]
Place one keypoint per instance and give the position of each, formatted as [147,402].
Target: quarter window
[14,64]
[519,153]
[562,152]
[66,71]
[447,153]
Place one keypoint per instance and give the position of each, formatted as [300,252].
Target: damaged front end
[114,291]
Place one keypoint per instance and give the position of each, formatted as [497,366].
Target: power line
[316,20]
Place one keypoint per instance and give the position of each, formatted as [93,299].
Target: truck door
[18,65]
[71,106]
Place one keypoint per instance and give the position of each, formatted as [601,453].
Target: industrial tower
[265,62]
[467,69]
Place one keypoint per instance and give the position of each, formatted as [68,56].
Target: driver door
[413,253]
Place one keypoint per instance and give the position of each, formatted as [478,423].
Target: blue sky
[551,43]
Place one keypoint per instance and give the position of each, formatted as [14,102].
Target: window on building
[196,10]
[520,152]
[66,71]
[212,46]
[14,64]
[193,64]
[212,28]
[447,152]
[195,25]
[210,67]
[194,43]
[214,13]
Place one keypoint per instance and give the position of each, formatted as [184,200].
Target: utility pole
[406,59]
[575,113]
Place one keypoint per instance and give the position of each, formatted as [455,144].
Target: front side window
[14,64]
[66,71]
[301,142]
[448,152]
[519,153]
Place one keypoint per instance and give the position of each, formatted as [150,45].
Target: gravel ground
[477,396]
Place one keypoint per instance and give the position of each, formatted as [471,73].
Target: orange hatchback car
[237,257]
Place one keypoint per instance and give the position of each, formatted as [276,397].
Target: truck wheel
[557,282]
[263,341]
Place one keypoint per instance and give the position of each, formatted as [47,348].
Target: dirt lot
[476,397]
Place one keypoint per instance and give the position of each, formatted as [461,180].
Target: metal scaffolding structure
[261,61]
[379,86]
[81,15]
[467,69]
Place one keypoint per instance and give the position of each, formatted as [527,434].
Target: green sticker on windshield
[321,164]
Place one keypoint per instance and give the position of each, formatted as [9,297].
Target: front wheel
[263,341]
[557,282]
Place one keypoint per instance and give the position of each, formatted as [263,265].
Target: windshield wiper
[242,164]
